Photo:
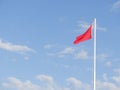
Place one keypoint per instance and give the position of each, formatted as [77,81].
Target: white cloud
[101,28]
[117,71]
[108,64]
[26,58]
[48,46]
[102,85]
[72,83]
[116,5]
[62,53]
[47,83]
[76,84]
[15,83]
[82,55]
[116,78]
[102,56]
[85,25]
[107,84]
[73,52]
[68,50]
[105,77]
[46,79]
[15,48]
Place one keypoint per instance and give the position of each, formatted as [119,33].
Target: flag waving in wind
[85,36]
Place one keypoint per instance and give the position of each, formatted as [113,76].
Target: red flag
[85,36]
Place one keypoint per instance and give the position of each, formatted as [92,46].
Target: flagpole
[95,54]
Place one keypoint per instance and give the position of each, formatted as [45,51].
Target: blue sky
[37,50]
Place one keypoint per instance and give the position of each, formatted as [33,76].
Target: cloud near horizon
[47,82]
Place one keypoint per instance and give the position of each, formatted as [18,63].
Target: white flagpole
[94,54]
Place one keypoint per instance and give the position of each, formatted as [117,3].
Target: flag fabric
[85,36]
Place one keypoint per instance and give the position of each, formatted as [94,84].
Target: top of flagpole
[94,23]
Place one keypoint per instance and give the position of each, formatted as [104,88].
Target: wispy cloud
[63,19]
[107,84]
[116,5]
[26,58]
[67,50]
[102,56]
[17,84]
[84,25]
[82,55]
[103,85]
[47,82]
[46,79]
[105,77]
[14,48]
[74,52]
[117,70]
[76,84]
[48,46]
[108,64]
[101,28]
[117,77]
